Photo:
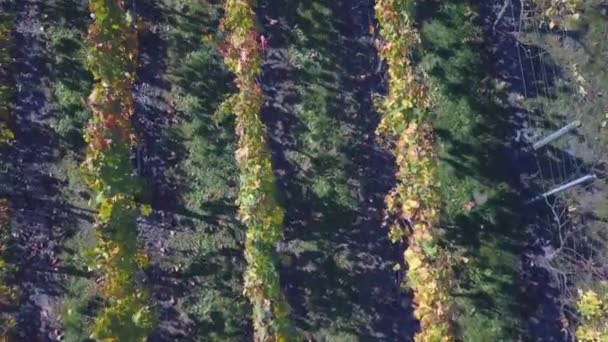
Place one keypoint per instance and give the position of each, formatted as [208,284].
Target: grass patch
[330,173]
[80,301]
[480,214]
[323,138]
[209,238]
[71,83]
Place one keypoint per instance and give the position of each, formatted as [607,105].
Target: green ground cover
[209,239]
[336,257]
[481,207]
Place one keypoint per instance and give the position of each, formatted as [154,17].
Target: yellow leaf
[145,209]
[410,204]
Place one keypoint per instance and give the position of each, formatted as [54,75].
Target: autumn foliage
[593,312]
[559,13]
[6,43]
[412,207]
[258,208]
[112,59]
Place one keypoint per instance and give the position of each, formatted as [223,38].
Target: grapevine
[258,208]
[559,12]
[412,207]
[112,59]
[6,134]
[593,310]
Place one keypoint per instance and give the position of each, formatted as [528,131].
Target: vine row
[112,59]
[6,43]
[412,207]
[258,207]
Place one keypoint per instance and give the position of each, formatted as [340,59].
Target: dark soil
[37,210]
[182,276]
[329,301]
[152,158]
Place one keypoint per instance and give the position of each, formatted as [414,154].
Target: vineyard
[304,170]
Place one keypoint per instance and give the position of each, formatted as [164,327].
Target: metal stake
[556,135]
[562,187]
